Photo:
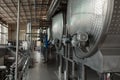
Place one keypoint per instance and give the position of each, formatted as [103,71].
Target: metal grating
[115,22]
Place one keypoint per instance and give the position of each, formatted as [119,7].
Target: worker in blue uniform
[45,51]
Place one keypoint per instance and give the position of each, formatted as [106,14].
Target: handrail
[25,64]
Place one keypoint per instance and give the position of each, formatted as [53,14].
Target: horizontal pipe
[70,60]
[32,33]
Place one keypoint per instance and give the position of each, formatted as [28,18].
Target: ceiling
[29,9]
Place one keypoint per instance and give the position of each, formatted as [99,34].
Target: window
[3,34]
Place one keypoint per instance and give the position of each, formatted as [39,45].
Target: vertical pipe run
[81,71]
[17,40]
[66,63]
[31,32]
[60,68]
[73,70]
[30,23]
[35,10]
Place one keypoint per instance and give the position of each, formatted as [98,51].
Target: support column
[60,68]
[17,40]
[73,70]
[81,71]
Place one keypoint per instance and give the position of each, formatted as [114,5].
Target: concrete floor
[47,71]
[42,71]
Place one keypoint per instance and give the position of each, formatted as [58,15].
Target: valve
[79,39]
[66,40]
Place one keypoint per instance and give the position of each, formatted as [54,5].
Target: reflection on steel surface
[100,19]
[91,17]
[57,26]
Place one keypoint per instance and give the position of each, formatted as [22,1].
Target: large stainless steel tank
[99,22]
[57,26]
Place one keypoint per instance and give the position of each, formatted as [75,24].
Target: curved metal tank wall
[49,33]
[99,19]
[57,26]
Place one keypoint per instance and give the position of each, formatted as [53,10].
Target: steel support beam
[26,5]
[14,4]
[17,40]
[24,10]
[40,14]
[30,11]
[7,13]
[9,9]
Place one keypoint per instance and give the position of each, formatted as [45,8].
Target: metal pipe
[30,22]
[81,71]
[60,68]
[30,31]
[66,63]
[53,7]
[35,10]
[25,65]
[68,59]
[13,2]
[73,70]
[17,40]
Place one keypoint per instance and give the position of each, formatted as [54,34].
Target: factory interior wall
[12,31]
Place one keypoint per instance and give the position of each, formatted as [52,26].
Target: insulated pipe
[17,41]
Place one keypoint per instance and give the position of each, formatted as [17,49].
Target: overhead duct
[53,7]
